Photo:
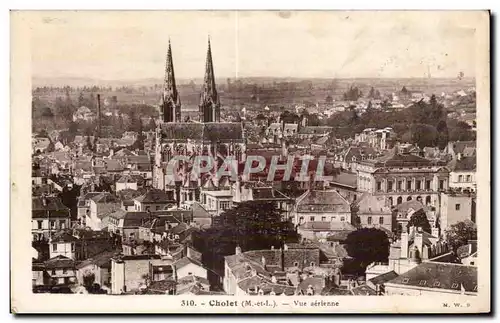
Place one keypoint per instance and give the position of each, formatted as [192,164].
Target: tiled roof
[155,196]
[63,236]
[464,164]
[363,290]
[186,261]
[268,193]
[437,275]
[59,262]
[328,226]
[372,204]
[161,286]
[203,131]
[54,208]
[322,201]
[315,130]
[346,179]
[381,279]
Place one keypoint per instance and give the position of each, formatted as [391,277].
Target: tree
[81,99]
[329,99]
[152,124]
[73,128]
[88,281]
[419,219]
[47,112]
[139,142]
[423,135]
[89,143]
[252,225]
[461,233]
[442,134]
[352,94]
[367,245]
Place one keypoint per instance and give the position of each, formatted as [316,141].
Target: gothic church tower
[170,102]
[209,100]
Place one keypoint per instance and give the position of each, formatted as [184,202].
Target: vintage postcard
[250,162]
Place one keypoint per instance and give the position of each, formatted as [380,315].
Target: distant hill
[384,83]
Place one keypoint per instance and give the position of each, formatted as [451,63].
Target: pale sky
[132,45]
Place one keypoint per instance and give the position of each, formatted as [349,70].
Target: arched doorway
[409,198]
[427,200]
[400,200]
[419,198]
[390,201]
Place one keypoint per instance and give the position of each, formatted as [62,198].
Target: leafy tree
[88,281]
[419,219]
[139,142]
[461,233]
[73,128]
[423,135]
[352,94]
[152,124]
[89,143]
[47,112]
[81,99]
[367,245]
[135,122]
[329,99]
[442,134]
[252,225]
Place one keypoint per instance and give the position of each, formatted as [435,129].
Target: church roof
[211,131]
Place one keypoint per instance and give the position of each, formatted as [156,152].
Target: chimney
[404,242]
[418,240]
[237,250]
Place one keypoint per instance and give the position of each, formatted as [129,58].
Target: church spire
[170,101]
[209,102]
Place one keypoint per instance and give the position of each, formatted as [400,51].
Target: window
[400,185]
[333,218]
[389,185]
[369,220]
[437,284]
[224,205]
[65,271]
[468,178]
[417,185]
[342,218]
[454,285]
[323,218]
[379,186]
[73,247]
[427,185]
[408,184]
[52,224]
[62,224]
[39,224]
[381,220]
[406,280]
[460,178]
[54,247]
[295,264]
[472,263]
[301,219]
[53,271]
[312,264]
[441,184]
[422,282]
[457,207]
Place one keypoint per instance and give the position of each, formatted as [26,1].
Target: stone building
[401,177]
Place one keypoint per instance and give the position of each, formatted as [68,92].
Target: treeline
[423,124]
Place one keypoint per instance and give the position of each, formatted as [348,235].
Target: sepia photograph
[250,161]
